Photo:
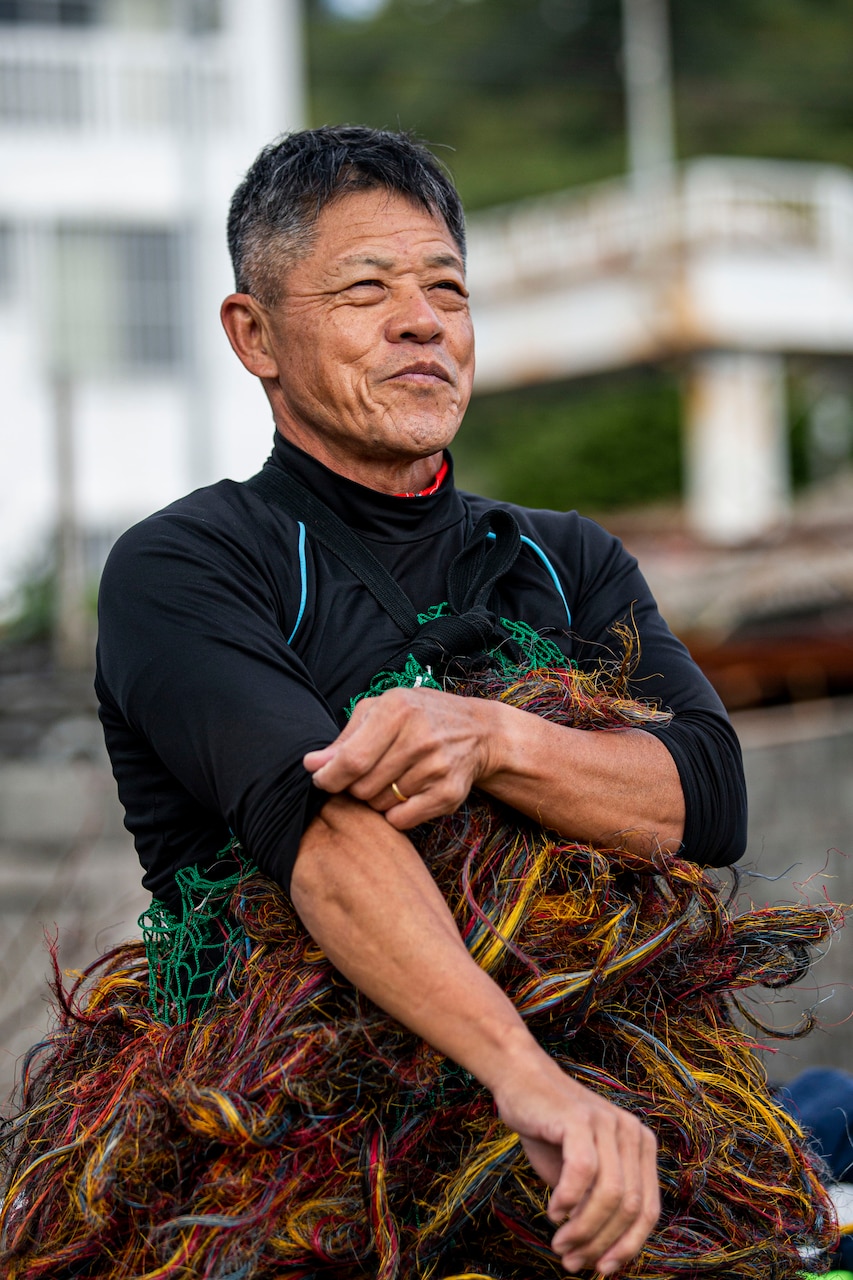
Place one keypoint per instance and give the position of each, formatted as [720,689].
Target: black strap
[489,553]
[469,628]
[284,490]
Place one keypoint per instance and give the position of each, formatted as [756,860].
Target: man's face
[372,341]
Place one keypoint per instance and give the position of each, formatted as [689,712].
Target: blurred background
[661,263]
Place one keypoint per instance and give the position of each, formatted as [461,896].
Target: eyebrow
[366,260]
[444,260]
[388,264]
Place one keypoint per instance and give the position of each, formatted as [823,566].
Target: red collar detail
[436,484]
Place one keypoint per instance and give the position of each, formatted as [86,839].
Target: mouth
[425,372]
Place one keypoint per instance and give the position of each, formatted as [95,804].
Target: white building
[124,127]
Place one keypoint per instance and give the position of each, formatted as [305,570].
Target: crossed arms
[364,894]
[194,671]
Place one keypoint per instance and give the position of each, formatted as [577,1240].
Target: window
[64,13]
[196,16]
[118,299]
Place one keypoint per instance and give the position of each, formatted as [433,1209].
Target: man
[231,640]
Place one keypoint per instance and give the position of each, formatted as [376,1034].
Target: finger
[600,1220]
[577,1178]
[635,1237]
[427,799]
[355,755]
[427,784]
[399,792]
[376,785]
[625,1249]
[629,1213]
[382,796]
[314,760]
[417,809]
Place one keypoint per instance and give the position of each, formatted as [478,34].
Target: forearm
[366,897]
[590,785]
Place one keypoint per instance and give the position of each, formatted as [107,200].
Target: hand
[600,1161]
[433,745]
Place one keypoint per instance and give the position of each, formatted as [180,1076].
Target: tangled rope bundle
[294,1130]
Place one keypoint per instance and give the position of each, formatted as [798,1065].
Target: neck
[392,475]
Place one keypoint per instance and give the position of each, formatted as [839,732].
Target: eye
[452,286]
[365,292]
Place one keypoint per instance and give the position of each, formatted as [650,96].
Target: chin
[427,438]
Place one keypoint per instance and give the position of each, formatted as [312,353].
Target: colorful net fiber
[294,1130]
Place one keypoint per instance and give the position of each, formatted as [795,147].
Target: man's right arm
[368,900]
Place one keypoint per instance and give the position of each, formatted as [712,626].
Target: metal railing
[770,206]
[112,82]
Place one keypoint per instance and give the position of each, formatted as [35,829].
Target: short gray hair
[274,212]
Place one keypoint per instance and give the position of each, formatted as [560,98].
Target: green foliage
[764,78]
[31,609]
[819,448]
[522,106]
[28,614]
[798,409]
[595,444]
[527,97]
[528,93]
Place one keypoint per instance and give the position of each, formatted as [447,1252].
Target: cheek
[297,345]
[464,353]
[348,356]
[351,340]
[460,338]
[339,379]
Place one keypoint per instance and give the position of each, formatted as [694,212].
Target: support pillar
[649,112]
[73,645]
[737,465]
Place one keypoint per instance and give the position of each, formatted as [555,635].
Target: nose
[413,319]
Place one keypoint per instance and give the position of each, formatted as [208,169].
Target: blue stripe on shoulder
[303,573]
[552,573]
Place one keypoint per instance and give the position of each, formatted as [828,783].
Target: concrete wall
[799,769]
[67,868]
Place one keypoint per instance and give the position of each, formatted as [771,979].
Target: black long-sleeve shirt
[230,643]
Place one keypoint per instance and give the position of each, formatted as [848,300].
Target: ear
[245,322]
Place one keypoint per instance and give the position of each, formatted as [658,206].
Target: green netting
[535,651]
[186,955]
